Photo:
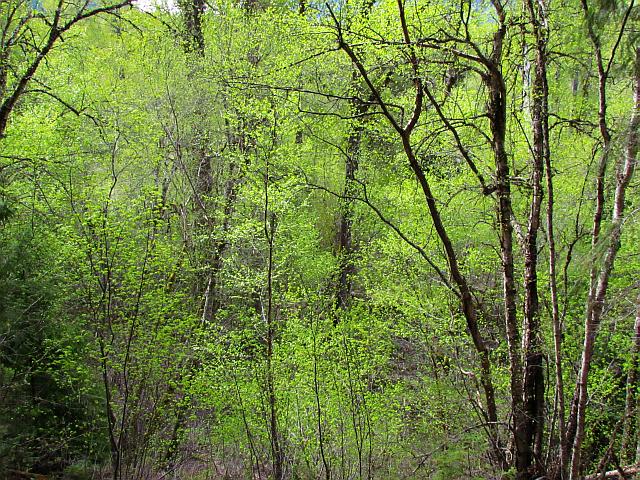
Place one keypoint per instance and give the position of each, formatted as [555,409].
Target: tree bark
[345,235]
[614,473]
[563,458]
[497,113]
[596,300]
[497,116]
[193,36]
[532,348]
[600,199]
[630,433]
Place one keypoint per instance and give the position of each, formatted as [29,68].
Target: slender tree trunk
[629,441]
[269,228]
[497,113]
[563,459]
[600,201]
[596,300]
[347,267]
[467,304]
[497,116]
[212,296]
[345,237]
[632,400]
[532,348]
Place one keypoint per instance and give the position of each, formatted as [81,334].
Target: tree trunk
[600,200]
[630,434]
[193,36]
[345,235]
[614,474]
[596,300]
[497,116]
[532,348]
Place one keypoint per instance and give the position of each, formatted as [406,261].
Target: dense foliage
[350,240]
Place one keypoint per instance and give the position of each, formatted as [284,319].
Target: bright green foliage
[170,249]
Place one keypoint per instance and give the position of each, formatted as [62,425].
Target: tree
[28,36]
[352,240]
